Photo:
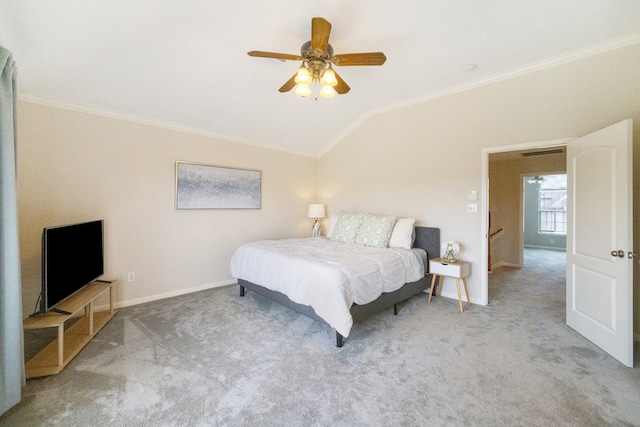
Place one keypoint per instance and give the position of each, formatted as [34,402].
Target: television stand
[57,310]
[56,356]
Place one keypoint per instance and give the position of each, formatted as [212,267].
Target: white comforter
[328,276]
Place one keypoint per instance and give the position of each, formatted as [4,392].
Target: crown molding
[111,114]
[597,49]
[566,58]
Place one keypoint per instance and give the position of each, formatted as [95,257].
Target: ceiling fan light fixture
[329,78]
[317,59]
[327,91]
[536,179]
[303,77]
[303,90]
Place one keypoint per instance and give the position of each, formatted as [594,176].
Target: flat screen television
[72,257]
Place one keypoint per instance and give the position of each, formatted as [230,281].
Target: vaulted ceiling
[184,64]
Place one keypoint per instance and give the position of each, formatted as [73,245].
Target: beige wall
[505,202]
[76,167]
[421,160]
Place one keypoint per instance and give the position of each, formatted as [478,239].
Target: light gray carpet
[213,358]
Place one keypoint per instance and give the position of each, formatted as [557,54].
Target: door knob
[632,255]
[619,253]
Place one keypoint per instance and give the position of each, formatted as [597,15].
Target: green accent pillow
[346,227]
[376,230]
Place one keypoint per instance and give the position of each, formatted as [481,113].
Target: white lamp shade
[329,78]
[303,77]
[327,92]
[303,90]
[316,211]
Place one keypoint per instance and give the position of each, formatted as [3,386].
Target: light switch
[472,195]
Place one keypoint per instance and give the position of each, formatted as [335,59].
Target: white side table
[458,270]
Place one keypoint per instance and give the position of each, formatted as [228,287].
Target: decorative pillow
[333,218]
[346,227]
[402,235]
[375,230]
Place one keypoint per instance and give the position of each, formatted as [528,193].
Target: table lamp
[316,211]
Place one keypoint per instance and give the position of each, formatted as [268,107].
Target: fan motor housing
[308,54]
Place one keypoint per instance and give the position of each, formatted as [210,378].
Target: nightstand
[458,270]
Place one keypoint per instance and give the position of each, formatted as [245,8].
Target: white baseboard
[504,264]
[150,298]
[455,297]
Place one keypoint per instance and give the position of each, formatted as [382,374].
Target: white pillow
[375,230]
[332,224]
[402,235]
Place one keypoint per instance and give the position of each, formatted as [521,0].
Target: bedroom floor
[213,358]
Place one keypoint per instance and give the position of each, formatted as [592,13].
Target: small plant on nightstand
[450,250]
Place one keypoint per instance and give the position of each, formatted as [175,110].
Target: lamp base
[315,231]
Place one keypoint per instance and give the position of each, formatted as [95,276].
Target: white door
[600,239]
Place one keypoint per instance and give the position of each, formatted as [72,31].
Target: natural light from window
[552,204]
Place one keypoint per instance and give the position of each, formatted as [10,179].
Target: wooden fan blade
[289,84]
[320,30]
[283,56]
[341,87]
[367,58]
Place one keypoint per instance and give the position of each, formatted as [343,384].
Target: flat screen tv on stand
[72,257]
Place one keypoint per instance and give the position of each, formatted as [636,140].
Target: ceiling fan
[317,59]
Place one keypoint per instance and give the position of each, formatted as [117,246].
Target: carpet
[213,358]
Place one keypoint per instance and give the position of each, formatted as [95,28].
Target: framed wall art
[201,186]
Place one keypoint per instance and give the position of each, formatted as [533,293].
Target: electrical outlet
[131,277]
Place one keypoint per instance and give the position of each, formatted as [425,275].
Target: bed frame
[427,238]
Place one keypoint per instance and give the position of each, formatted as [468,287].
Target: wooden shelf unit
[56,356]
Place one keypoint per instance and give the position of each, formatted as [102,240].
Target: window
[552,204]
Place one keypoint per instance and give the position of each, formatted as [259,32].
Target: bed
[250,270]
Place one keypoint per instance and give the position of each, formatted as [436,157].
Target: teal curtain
[11,335]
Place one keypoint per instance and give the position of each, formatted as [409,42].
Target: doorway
[599,169]
[517,161]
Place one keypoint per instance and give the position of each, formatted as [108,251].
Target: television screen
[72,257]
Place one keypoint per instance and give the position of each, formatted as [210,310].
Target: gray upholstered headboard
[428,238]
